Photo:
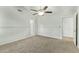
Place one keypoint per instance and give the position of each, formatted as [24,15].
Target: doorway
[67,29]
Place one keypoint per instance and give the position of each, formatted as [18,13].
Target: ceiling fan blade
[34,13]
[48,11]
[45,7]
[19,10]
[34,10]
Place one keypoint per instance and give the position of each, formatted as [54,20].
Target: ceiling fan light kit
[41,12]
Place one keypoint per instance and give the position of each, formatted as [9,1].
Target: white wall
[50,25]
[14,25]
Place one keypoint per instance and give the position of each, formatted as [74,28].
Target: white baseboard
[50,36]
[15,39]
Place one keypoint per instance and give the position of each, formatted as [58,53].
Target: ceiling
[57,10]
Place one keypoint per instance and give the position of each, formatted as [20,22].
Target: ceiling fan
[41,11]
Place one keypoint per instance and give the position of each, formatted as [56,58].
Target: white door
[68,27]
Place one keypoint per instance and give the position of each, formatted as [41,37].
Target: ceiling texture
[57,10]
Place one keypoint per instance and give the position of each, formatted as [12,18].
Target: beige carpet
[39,44]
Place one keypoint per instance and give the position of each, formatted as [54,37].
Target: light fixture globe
[40,13]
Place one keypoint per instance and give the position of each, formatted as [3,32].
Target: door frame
[63,24]
[76,29]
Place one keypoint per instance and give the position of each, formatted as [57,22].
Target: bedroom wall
[50,25]
[14,25]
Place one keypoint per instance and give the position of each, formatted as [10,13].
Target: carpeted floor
[39,44]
